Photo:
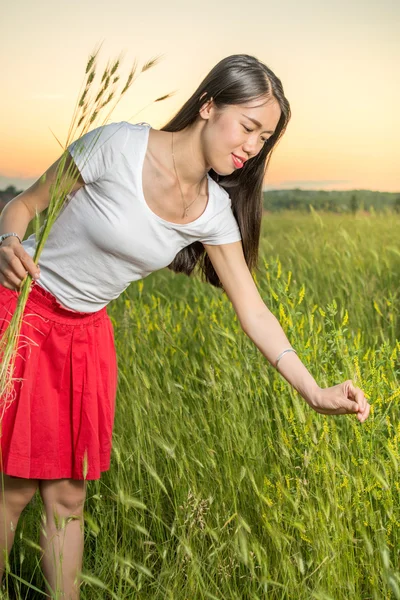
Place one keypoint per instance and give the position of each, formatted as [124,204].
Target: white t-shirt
[106,235]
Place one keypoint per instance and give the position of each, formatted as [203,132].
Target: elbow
[24,205]
[250,321]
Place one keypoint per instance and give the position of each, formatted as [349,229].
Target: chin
[223,172]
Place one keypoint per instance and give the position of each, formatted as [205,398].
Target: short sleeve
[225,229]
[96,151]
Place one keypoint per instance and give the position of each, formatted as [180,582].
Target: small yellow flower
[279,272]
[274,295]
[288,281]
[302,293]
[393,396]
[376,307]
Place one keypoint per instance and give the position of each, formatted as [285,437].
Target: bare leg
[62,534]
[15,494]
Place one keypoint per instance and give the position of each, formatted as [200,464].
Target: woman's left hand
[341,399]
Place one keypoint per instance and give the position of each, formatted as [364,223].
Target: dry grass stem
[87,113]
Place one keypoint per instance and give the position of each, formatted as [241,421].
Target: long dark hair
[234,80]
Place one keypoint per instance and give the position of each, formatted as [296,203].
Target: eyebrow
[256,123]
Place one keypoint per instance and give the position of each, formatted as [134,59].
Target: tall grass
[224,484]
[93,108]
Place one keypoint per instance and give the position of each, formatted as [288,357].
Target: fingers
[27,262]
[359,400]
[335,402]
[355,394]
[15,262]
[10,286]
[346,407]
[343,399]
[364,415]
[10,273]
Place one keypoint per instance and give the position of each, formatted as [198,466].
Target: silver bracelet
[7,235]
[282,354]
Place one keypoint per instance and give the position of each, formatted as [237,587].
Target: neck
[189,157]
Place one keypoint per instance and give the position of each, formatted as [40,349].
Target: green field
[224,483]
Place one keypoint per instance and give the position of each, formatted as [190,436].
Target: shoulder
[120,132]
[135,127]
[126,130]
[103,140]
[100,149]
[137,135]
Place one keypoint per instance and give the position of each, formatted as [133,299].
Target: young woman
[188,194]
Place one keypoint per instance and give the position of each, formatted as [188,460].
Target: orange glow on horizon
[344,96]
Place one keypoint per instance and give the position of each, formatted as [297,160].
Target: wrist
[289,365]
[312,396]
[8,239]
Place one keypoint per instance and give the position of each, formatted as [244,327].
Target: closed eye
[247,130]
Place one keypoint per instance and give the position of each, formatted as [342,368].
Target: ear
[207,108]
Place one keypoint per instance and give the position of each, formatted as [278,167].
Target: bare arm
[16,216]
[264,330]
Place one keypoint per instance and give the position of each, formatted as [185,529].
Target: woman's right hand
[15,263]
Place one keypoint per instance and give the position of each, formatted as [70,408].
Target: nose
[250,147]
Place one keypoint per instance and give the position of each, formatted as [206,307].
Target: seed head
[151,63]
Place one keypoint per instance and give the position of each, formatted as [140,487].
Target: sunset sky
[338,62]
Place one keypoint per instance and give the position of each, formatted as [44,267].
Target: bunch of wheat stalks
[93,108]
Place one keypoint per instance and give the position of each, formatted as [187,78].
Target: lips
[238,161]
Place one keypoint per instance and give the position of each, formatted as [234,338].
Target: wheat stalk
[92,104]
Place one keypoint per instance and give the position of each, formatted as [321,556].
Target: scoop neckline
[140,186]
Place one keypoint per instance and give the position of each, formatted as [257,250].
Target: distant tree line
[333,201]
[277,200]
[8,194]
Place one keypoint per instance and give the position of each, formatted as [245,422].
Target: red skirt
[59,425]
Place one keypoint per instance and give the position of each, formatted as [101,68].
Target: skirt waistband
[49,307]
